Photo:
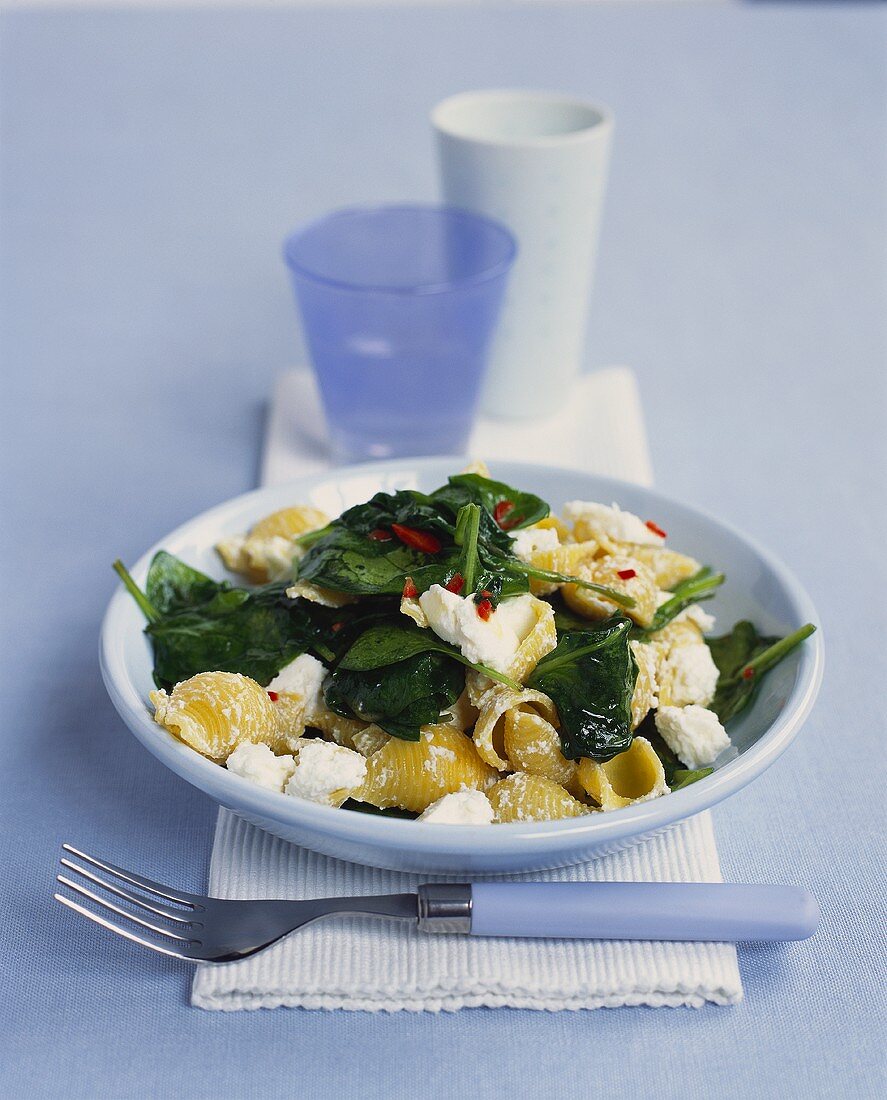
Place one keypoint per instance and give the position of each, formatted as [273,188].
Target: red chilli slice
[410,592]
[656,529]
[501,511]
[273,696]
[626,574]
[456,583]
[485,609]
[380,535]
[748,674]
[417,540]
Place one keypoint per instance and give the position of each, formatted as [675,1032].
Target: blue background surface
[151,164]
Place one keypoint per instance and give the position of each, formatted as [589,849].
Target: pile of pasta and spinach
[461,656]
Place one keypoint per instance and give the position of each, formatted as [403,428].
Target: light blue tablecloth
[151,164]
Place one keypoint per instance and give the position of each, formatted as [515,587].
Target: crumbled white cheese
[691,675]
[612,521]
[531,540]
[693,733]
[460,808]
[696,614]
[493,641]
[304,677]
[326,773]
[258,764]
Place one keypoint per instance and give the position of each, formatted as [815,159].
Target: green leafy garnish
[211,626]
[701,586]
[590,677]
[467,533]
[171,585]
[369,808]
[525,508]
[621,599]
[683,777]
[742,657]
[400,697]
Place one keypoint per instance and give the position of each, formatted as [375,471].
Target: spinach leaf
[701,586]
[388,644]
[399,697]
[351,562]
[252,632]
[369,808]
[406,507]
[683,777]
[742,657]
[526,508]
[590,677]
[224,629]
[172,585]
[349,558]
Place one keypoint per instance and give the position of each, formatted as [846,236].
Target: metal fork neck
[445,907]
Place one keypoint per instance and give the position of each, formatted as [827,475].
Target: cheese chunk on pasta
[609,524]
[326,773]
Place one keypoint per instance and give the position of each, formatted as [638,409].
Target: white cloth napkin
[375,966]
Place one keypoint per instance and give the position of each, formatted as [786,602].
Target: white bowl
[758,587]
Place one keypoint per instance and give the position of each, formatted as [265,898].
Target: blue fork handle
[643,911]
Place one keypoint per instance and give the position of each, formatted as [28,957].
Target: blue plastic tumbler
[398,306]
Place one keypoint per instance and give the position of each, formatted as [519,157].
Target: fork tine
[127,895]
[124,932]
[105,904]
[191,900]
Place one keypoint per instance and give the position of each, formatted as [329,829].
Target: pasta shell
[289,523]
[214,712]
[411,607]
[522,797]
[646,686]
[541,640]
[462,715]
[267,552]
[567,558]
[326,597]
[336,728]
[668,566]
[553,523]
[477,466]
[369,740]
[642,588]
[532,745]
[635,775]
[494,704]
[413,774]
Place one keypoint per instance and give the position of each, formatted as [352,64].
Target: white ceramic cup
[536,161]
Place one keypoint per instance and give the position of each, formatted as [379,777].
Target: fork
[219,930]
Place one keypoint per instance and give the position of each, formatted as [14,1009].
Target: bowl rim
[468,840]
